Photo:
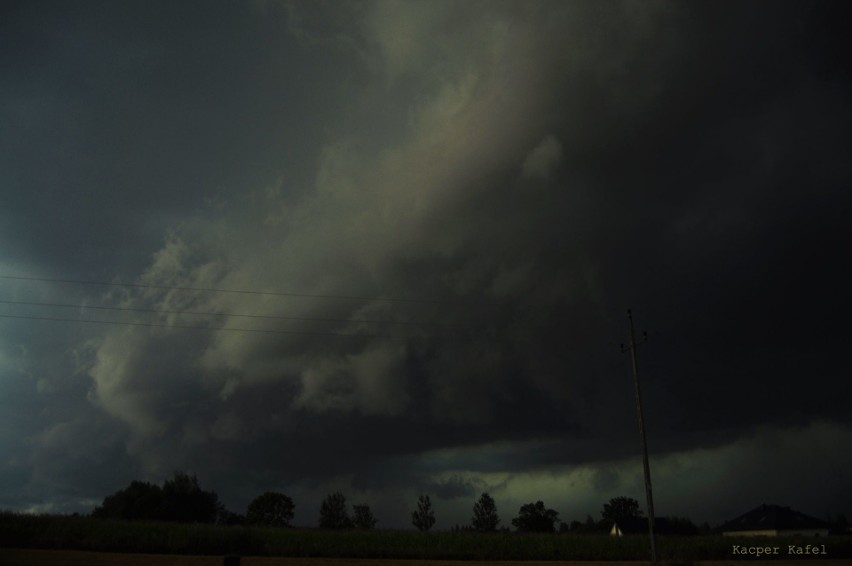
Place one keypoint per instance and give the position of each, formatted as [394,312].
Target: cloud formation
[424,223]
[543,159]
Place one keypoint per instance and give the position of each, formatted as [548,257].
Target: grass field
[197,541]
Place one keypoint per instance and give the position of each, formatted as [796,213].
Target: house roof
[772,517]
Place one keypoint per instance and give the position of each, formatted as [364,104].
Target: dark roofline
[772,517]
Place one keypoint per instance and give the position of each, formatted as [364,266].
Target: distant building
[774,520]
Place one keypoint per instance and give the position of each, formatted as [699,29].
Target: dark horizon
[628,511]
[435,216]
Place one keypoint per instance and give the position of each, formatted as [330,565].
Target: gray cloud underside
[539,167]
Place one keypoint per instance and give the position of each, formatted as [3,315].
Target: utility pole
[648,492]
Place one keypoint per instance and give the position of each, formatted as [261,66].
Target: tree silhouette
[534,517]
[270,509]
[363,517]
[186,502]
[620,508]
[139,500]
[423,517]
[333,513]
[485,514]
[180,499]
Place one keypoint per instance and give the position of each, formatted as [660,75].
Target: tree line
[181,499]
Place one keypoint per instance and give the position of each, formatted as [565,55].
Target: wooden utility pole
[648,492]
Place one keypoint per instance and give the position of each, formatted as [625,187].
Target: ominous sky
[437,215]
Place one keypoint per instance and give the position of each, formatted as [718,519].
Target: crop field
[30,557]
[35,557]
[197,544]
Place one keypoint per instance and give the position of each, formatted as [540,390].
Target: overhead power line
[199,313]
[235,291]
[190,327]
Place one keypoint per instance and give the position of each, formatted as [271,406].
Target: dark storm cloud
[537,169]
[454,487]
[121,119]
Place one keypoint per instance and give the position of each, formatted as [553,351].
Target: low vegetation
[111,535]
[181,518]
